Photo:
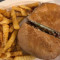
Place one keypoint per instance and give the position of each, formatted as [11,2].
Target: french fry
[2,11]
[14,20]
[24,58]
[10,41]
[23,12]
[25,7]
[8,31]
[17,53]
[9,50]
[8,54]
[18,14]
[9,58]
[12,48]
[11,28]
[33,5]
[1,29]
[5,13]
[1,39]
[5,33]
[20,19]
[5,21]
[1,17]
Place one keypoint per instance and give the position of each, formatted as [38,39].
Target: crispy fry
[23,12]
[11,28]
[5,21]
[5,13]
[12,48]
[17,53]
[1,39]
[9,24]
[8,54]
[24,58]
[11,40]
[18,14]
[1,29]
[33,5]
[9,50]
[20,19]
[25,7]
[10,58]
[14,19]
[5,33]
[2,11]
[1,17]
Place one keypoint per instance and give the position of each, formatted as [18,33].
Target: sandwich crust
[47,14]
[38,43]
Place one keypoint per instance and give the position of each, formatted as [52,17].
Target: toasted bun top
[38,43]
[47,14]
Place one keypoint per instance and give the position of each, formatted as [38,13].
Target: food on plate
[48,15]
[14,19]
[11,28]
[5,21]
[25,7]
[5,33]
[36,41]
[17,53]
[24,58]
[18,14]
[1,17]
[10,41]
[1,38]
[9,25]
[5,13]
[20,19]
[23,12]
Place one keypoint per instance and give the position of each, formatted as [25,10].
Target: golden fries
[15,22]
[18,14]
[10,58]
[1,28]
[33,5]
[5,21]
[11,40]
[5,13]
[20,19]
[9,26]
[24,58]
[9,49]
[8,54]
[1,39]
[1,17]
[17,53]
[5,33]
[25,7]
[2,11]
[23,12]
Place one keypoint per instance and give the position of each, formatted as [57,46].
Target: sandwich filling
[44,28]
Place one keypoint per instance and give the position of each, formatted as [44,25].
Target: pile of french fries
[9,26]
